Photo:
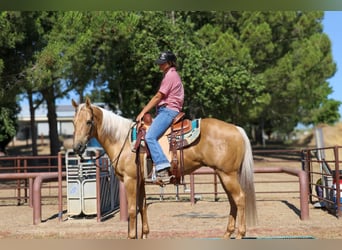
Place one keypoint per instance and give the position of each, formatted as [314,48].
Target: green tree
[76,31]
[126,59]
[10,67]
[46,74]
[256,69]
[264,69]
[35,28]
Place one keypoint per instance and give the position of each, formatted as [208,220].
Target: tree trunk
[52,120]
[33,125]
[261,133]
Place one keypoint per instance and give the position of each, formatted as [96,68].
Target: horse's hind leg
[236,198]
[231,219]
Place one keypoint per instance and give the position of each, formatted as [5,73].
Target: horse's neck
[113,139]
[117,151]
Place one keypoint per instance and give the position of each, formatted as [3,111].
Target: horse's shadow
[54,216]
[292,207]
[289,205]
[81,216]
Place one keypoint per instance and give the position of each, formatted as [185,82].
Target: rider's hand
[139,120]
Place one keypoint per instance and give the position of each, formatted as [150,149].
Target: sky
[331,26]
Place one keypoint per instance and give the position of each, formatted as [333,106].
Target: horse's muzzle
[79,148]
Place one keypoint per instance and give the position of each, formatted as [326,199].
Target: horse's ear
[88,102]
[74,103]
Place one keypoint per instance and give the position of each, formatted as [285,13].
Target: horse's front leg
[143,212]
[130,187]
[132,209]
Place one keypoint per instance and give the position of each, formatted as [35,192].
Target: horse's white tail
[247,180]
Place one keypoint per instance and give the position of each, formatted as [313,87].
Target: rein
[94,160]
[116,160]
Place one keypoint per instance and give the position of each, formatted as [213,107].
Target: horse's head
[84,125]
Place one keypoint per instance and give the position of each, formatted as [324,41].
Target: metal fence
[320,165]
[325,177]
[16,190]
[42,180]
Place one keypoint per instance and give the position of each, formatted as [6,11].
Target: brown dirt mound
[332,136]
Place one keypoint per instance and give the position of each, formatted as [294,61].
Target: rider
[169,102]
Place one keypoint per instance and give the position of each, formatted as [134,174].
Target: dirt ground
[278,217]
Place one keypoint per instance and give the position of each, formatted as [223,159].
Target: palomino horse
[221,146]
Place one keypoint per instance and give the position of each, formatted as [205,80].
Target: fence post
[60,191]
[123,202]
[192,189]
[337,181]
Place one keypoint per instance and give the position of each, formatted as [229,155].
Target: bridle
[91,123]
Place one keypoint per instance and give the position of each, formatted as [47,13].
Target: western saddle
[179,126]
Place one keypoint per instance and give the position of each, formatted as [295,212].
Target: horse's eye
[89,122]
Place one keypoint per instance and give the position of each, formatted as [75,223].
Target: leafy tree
[128,61]
[75,30]
[10,36]
[7,125]
[36,26]
[46,74]
[293,57]
[264,70]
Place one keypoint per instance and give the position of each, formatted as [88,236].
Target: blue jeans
[158,127]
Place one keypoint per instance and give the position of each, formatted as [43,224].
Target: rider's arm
[153,102]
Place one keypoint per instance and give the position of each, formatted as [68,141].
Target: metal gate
[84,176]
[325,177]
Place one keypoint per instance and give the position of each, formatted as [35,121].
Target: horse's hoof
[239,236]
[226,236]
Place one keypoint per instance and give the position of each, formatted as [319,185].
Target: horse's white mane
[115,126]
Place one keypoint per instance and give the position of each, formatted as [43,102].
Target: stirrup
[161,182]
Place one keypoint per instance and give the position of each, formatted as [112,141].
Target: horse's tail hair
[247,180]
